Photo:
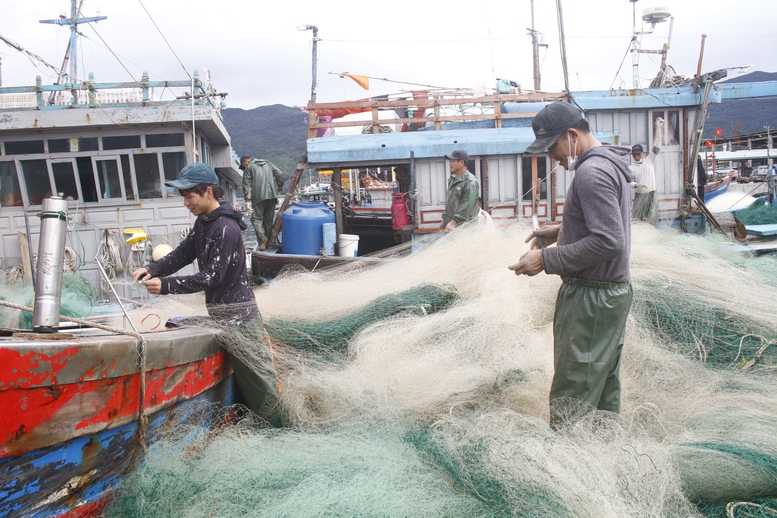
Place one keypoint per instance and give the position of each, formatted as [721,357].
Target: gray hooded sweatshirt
[595,238]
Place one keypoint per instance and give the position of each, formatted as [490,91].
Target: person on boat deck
[216,242]
[261,183]
[593,245]
[461,203]
[643,166]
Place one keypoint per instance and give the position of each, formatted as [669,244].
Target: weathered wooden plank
[26,260]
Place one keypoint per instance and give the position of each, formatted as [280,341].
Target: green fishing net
[79,296]
[759,213]
[332,335]
[702,330]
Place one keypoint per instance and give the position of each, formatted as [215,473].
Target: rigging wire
[108,47]
[27,53]
[165,39]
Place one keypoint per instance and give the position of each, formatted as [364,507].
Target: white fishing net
[442,410]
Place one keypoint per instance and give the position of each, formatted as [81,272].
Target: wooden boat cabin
[495,130]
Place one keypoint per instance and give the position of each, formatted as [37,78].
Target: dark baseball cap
[637,149]
[459,154]
[552,122]
[193,175]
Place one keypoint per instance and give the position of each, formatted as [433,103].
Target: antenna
[651,16]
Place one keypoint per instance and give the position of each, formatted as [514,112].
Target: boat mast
[563,46]
[72,49]
[535,45]
[634,49]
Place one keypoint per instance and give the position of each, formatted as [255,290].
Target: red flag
[709,143]
[718,132]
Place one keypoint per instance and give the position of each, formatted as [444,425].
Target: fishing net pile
[79,299]
[407,412]
[759,213]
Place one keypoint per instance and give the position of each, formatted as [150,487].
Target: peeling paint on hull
[69,426]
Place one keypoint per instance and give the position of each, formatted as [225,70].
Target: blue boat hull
[81,474]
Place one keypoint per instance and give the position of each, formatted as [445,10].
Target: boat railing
[90,94]
[434,111]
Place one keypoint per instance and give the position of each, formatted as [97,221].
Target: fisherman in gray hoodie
[592,258]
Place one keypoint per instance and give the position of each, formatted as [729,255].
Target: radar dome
[655,14]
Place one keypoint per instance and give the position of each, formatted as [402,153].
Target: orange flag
[363,81]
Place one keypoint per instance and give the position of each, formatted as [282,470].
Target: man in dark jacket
[592,257]
[216,242]
[261,182]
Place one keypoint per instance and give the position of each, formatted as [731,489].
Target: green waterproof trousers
[589,325]
[262,219]
[258,381]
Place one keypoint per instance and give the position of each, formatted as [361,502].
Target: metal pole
[634,52]
[315,64]
[535,47]
[73,22]
[113,290]
[701,58]
[51,257]
[563,45]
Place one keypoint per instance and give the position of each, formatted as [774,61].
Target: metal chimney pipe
[51,258]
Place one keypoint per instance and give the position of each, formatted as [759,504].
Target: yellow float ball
[160,251]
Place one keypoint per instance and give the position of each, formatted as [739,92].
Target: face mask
[571,160]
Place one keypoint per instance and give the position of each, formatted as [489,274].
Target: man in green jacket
[261,182]
[461,204]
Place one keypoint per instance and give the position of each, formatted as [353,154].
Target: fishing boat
[711,190]
[494,127]
[107,148]
[75,407]
[80,406]
[267,264]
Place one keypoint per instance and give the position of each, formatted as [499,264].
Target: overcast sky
[254,51]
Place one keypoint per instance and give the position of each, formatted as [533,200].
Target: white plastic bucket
[348,245]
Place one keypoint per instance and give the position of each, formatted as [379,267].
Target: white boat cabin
[107,149]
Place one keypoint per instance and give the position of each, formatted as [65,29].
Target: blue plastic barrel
[302,226]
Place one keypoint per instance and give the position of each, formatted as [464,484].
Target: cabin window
[36,180]
[88,144]
[24,147]
[60,145]
[86,175]
[172,163]
[124,142]
[129,185]
[65,183]
[10,193]
[73,145]
[147,175]
[527,177]
[165,140]
[108,179]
